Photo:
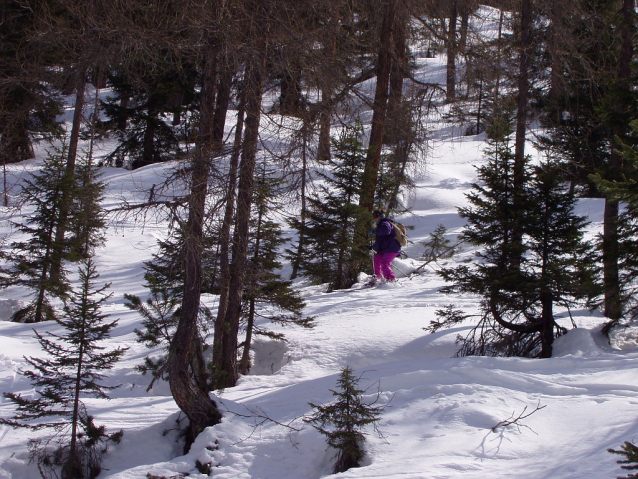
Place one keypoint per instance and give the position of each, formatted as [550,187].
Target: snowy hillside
[443,413]
[440,410]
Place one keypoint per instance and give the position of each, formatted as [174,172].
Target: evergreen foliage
[630,451]
[138,111]
[519,282]
[333,254]
[29,104]
[625,189]
[32,258]
[342,421]
[165,272]
[267,295]
[438,246]
[160,315]
[161,311]
[87,218]
[73,368]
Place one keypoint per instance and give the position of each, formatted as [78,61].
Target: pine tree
[630,451]
[333,254]
[160,313]
[625,189]
[86,219]
[32,259]
[343,420]
[267,295]
[73,369]
[519,282]
[139,109]
[29,104]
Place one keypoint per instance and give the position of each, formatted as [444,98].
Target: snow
[441,412]
[440,409]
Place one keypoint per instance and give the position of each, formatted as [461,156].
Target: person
[386,247]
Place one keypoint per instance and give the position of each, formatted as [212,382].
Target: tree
[333,255]
[189,386]
[342,421]
[625,190]
[630,451]
[29,104]
[267,295]
[138,113]
[380,108]
[592,111]
[32,259]
[553,263]
[74,367]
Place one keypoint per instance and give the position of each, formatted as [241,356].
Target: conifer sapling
[72,369]
[343,420]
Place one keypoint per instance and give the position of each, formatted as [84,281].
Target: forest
[290,116]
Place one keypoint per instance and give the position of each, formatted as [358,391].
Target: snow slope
[442,412]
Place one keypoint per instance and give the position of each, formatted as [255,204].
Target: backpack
[400,234]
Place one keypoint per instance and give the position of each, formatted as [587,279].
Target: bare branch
[515,420]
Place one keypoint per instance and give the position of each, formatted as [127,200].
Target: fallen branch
[515,420]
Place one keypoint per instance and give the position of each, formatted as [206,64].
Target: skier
[386,247]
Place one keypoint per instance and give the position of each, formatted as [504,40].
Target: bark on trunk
[228,374]
[521,125]
[224,240]
[613,303]
[384,62]
[450,92]
[547,331]
[303,213]
[190,396]
[65,200]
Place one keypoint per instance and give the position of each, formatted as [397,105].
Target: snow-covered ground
[441,411]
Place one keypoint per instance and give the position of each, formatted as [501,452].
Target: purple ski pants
[382,268]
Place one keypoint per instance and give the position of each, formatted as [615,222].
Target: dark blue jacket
[385,242]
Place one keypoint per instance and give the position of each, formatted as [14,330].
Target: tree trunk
[66,198]
[547,332]
[190,396]
[244,363]
[521,126]
[375,145]
[303,213]
[225,240]
[228,373]
[325,114]
[450,92]
[613,303]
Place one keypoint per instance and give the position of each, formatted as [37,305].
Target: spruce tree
[73,369]
[160,313]
[630,463]
[267,295]
[33,257]
[343,420]
[625,190]
[139,112]
[87,218]
[519,282]
[333,254]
